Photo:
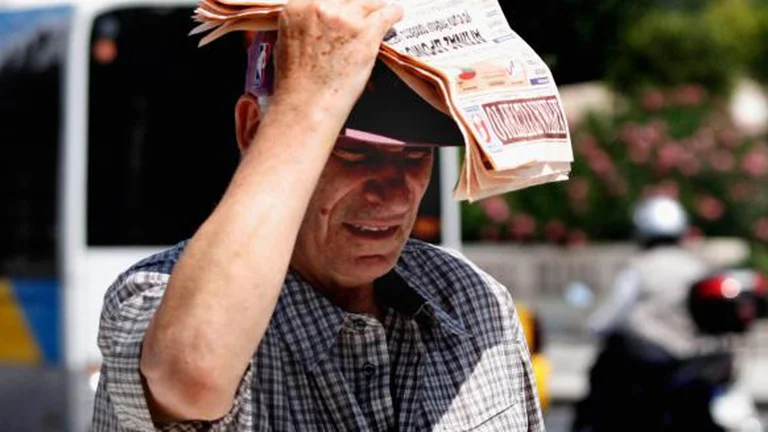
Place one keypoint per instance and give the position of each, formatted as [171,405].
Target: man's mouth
[371,230]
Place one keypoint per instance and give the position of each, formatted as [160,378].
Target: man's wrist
[322,106]
[303,123]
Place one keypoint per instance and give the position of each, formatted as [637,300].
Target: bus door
[33,52]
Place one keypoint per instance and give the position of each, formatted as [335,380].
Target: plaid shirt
[450,355]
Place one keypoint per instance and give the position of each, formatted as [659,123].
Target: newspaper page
[503,90]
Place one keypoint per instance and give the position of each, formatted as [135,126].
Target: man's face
[362,212]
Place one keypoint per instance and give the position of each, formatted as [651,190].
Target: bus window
[33,44]
[161,141]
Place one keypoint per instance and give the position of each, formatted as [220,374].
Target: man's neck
[360,300]
[355,299]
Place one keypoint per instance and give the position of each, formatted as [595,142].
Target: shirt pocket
[484,397]
[493,418]
[510,419]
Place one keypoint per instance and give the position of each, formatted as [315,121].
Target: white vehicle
[121,136]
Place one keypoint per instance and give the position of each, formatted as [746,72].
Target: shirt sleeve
[120,399]
[625,293]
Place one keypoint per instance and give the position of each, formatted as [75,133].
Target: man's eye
[349,156]
[417,154]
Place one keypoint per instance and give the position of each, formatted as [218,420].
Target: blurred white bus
[118,138]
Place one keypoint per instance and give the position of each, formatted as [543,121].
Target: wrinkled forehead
[388,111]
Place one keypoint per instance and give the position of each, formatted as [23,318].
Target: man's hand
[326,49]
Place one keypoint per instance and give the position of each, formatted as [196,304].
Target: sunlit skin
[362,185]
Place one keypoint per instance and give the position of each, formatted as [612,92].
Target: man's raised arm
[223,291]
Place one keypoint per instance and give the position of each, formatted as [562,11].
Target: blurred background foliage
[673,66]
[586,40]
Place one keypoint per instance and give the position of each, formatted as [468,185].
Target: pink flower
[669,156]
[587,146]
[700,143]
[644,136]
[690,95]
[496,208]
[705,138]
[690,166]
[639,140]
[666,188]
[722,160]
[577,237]
[761,229]
[710,208]
[555,231]
[740,191]
[578,189]
[630,133]
[755,163]
[600,163]
[638,156]
[656,130]
[522,227]
[653,100]
[730,138]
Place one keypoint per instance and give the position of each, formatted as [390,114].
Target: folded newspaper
[463,58]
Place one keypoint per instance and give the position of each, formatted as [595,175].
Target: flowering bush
[678,142]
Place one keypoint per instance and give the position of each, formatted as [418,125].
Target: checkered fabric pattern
[450,355]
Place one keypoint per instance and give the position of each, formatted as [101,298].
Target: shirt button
[359,324]
[369,369]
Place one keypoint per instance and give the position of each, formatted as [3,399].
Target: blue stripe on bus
[39,300]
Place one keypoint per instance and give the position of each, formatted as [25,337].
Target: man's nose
[387,184]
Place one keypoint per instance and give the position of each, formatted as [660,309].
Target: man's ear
[247,118]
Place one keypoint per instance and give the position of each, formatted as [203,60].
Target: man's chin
[376,261]
[365,269]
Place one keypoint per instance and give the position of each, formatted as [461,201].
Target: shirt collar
[416,284]
[309,323]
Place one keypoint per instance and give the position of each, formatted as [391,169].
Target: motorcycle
[638,386]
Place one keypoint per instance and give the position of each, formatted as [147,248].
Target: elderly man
[300,304]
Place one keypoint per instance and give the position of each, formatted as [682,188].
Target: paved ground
[571,361]
[558,418]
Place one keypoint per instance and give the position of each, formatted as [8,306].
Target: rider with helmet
[646,328]
[648,300]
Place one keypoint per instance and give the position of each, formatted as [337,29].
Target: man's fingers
[384,18]
[367,7]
